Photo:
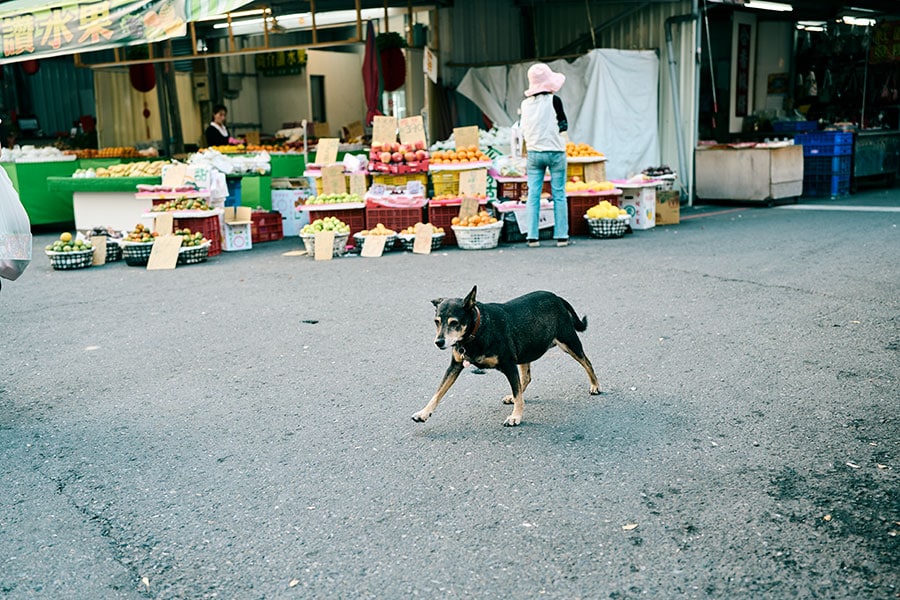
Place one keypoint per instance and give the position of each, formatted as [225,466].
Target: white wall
[773,55]
[283,100]
[344,96]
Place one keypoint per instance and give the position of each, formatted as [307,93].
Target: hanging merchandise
[393,63]
[146,114]
[31,66]
[15,231]
[142,76]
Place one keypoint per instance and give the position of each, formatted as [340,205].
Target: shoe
[533,243]
[562,243]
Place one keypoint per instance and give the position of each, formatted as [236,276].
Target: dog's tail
[580,324]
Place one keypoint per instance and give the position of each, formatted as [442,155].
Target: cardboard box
[668,207]
[284,201]
[236,232]
[640,202]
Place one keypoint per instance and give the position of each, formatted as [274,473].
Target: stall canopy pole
[587,9]
[712,73]
[673,84]
[862,110]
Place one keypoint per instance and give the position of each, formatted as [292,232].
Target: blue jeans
[538,162]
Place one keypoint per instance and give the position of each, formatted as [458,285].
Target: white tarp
[610,97]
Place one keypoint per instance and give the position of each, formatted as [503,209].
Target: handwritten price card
[412,129]
[473,182]
[373,246]
[327,151]
[324,245]
[468,208]
[465,136]
[422,241]
[333,181]
[595,171]
[384,129]
[358,184]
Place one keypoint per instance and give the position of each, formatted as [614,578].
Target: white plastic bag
[15,231]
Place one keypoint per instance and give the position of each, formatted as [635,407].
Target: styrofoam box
[236,236]
[640,202]
[283,202]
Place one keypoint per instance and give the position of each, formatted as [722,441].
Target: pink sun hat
[542,79]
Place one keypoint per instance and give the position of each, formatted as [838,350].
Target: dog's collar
[471,334]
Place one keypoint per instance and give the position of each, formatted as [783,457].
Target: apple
[395,147]
[376,146]
[404,148]
[385,157]
[373,155]
[420,144]
[421,154]
[409,156]
[396,157]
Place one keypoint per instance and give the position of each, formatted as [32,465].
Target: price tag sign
[164,254]
[333,180]
[468,208]
[465,136]
[321,130]
[327,151]
[414,188]
[422,241]
[174,175]
[595,171]
[473,182]
[98,242]
[200,176]
[412,129]
[355,130]
[373,246]
[324,245]
[163,223]
[377,190]
[384,129]
[358,184]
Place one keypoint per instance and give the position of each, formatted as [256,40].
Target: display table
[44,206]
[876,154]
[104,201]
[750,174]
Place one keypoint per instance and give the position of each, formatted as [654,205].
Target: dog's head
[455,318]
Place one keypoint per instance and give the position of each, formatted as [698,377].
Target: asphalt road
[241,428]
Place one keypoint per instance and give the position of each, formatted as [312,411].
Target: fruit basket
[482,237]
[408,239]
[339,248]
[136,254]
[389,241]
[113,251]
[189,255]
[607,228]
[63,261]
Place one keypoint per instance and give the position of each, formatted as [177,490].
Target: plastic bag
[15,231]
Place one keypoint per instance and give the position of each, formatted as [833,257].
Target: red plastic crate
[266,226]
[208,226]
[394,218]
[354,217]
[441,215]
[579,205]
[517,190]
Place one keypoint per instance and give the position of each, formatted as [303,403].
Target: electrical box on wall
[201,87]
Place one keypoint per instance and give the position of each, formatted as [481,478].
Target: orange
[454,221]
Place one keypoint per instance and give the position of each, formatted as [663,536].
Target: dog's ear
[470,299]
[437,302]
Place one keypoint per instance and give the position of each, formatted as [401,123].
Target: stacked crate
[827,162]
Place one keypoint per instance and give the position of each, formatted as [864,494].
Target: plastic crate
[792,126]
[441,215]
[354,217]
[394,218]
[511,233]
[266,226]
[512,190]
[826,143]
[578,207]
[445,182]
[401,180]
[208,226]
[826,186]
[819,166]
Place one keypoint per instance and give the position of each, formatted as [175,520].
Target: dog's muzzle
[440,343]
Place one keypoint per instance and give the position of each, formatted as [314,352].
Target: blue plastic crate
[791,126]
[827,186]
[826,166]
[825,143]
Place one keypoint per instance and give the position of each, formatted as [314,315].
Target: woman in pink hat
[543,121]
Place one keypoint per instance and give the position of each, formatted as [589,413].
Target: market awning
[33,29]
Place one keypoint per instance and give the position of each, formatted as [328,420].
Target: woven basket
[136,254]
[607,228]
[389,241]
[408,239]
[63,261]
[113,251]
[478,238]
[189,255]
[339,248]
[666,182]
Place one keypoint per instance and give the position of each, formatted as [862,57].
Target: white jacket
[540,127]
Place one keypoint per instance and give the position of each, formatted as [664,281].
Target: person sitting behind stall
[216,133]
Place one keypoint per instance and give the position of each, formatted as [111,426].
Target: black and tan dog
[507,337]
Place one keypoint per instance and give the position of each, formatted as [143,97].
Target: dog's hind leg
[449,379]
[575,350]
[524,380]
[512,375]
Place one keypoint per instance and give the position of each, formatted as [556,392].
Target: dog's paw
[508,399]
[595,391]
[512,421]
[421,416]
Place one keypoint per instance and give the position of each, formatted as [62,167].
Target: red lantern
[30,66]
[142,76]
[393,68]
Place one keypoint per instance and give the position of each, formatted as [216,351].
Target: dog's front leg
[512,375]
[453,371]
